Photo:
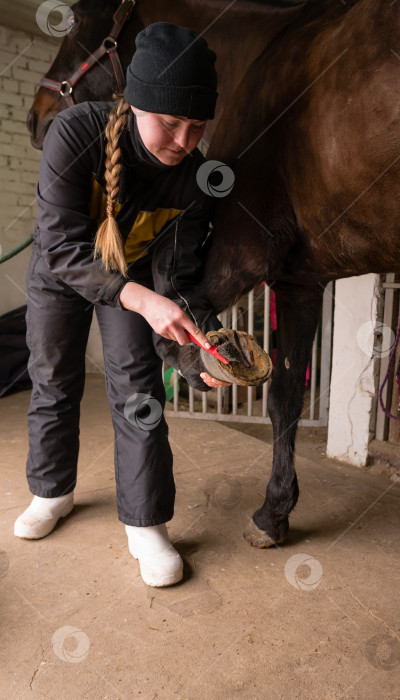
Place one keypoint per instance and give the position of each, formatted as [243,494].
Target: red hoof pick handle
[212,350]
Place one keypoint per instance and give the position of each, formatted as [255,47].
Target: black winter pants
[58,322]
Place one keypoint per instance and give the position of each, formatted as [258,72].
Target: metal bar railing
[313,378]
[267,302]
[382,422]
[250,326]
[326,345]
[234,386]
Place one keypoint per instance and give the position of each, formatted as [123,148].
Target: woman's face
[167,137]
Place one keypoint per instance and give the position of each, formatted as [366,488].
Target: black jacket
[163,215]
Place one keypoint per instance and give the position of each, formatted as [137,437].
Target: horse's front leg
[298,311]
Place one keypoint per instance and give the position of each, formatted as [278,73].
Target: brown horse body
[309,122]
[319,147]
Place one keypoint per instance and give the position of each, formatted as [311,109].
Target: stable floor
[317,618]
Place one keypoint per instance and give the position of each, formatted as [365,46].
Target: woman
[140,272]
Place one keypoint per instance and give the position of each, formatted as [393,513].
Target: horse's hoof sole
[259,538]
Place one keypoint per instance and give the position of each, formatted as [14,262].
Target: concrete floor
[316,618]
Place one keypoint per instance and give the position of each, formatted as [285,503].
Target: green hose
[16,250]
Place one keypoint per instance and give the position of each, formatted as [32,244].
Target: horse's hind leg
[298,311]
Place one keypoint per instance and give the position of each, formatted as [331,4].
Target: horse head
[90,64]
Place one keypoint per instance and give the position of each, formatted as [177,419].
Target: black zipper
[172,273]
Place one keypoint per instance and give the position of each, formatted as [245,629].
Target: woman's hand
[213,383]
[164,316]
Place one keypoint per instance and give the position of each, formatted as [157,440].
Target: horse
[239,31]
[311,131]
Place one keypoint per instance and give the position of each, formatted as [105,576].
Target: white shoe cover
[41,517]
[160,563]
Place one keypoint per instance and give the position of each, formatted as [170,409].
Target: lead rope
[391,358]
[18,249]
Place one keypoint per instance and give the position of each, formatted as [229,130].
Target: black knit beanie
[172,72]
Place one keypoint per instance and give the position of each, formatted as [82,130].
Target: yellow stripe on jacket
[145,227]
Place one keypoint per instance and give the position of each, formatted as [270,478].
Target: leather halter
[107,46]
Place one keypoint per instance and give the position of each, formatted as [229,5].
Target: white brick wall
[24,59]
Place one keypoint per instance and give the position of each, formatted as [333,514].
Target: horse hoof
[259,538]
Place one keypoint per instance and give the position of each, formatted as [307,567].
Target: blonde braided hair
[109,244]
